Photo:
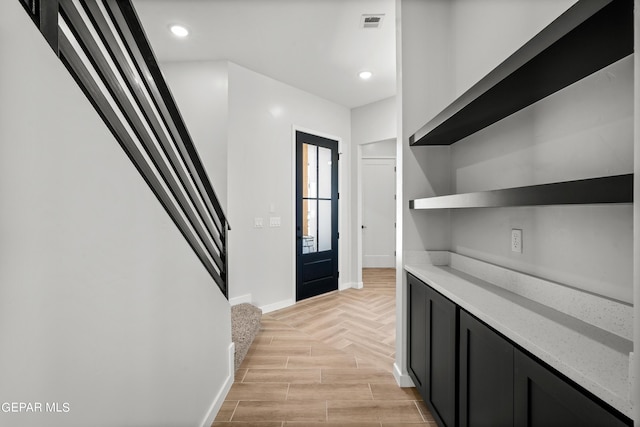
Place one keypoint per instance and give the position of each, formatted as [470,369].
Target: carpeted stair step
[245,325]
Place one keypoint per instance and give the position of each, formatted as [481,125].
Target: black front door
[316,215]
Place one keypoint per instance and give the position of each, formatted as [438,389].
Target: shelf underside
[604,190]
[583,40]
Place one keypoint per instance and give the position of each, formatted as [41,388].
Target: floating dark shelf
[586,38]
[608,189]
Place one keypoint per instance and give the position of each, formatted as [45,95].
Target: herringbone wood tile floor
[326,361]
[357,321]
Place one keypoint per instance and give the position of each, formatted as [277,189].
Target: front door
[316,215]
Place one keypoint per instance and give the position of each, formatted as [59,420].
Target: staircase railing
[104,47]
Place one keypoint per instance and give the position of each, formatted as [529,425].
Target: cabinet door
[543,399]
[417,333]
[442,350]
[486,375]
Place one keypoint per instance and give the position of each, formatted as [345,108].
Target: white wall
[102,302]
[201,92]
[479,31]
[426,82]
[424,50]
[584,131]
[242,123]
[262,113]
[385,148]
[374,122]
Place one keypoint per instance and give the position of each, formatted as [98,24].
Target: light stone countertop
[592,357]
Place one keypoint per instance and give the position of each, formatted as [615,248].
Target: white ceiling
[315,45]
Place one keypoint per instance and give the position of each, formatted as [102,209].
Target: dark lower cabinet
[442,348]
[417,334]
[433,338]
[471,376]
[544,399]
[486,375]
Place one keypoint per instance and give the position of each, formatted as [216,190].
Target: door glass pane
[310,231]
[324,172]
[324,225]
[310,174]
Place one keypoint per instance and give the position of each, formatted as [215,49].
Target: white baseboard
[277,306]
[350,285]
[343,286]
[241,299]
[403,380]
[224,390]
[378,261]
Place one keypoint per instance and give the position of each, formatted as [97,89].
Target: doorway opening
[377,205]
[378,213]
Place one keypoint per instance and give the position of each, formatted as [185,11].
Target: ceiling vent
[371,20]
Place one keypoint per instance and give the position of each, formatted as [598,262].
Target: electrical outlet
[516,240]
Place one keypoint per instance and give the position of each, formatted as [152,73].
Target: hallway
[326,361]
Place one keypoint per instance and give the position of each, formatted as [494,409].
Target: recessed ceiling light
[365,75]
[179,31]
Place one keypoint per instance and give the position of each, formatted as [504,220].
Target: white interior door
[378,213]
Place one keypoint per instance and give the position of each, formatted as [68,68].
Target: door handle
[364,226]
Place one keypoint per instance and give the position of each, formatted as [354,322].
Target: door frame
[292,231]
[361,159]
[358,240]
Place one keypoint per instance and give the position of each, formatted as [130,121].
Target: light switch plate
[258,222]
[274,221]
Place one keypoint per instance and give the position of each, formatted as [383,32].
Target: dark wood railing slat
[119,94]
[125,16]
[145,105]
[129,93]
